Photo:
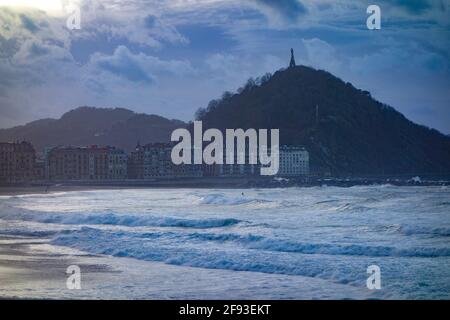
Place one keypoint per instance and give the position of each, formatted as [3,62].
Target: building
[117,165]
[294,161]
[245,169]
[39,170]
[136,163]
[17,162]
[154,161]
[86,163]
[232,170]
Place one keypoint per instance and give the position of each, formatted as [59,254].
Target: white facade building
[294,161]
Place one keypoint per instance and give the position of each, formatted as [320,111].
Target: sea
[282,243]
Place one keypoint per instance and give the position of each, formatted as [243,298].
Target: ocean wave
[29,233]
[256,242]
[263,243]
[171,252]
[327,201]
[437,232]
[351,250]
[221,199]
[341,205]
[352,207]
[252,253]
[36,195]
[116,219]
[201,258]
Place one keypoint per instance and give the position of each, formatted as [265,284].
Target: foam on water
[116,220]
[222,200]
[433,232]
[245,241]
[322,232]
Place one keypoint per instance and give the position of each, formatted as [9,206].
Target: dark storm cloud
[29,24]
[38,50]
[8,47]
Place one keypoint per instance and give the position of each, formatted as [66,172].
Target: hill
[88,126]
[346,131]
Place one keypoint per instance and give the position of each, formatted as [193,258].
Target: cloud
[320,54]
[8,47]
[412,6]
[123,63]
[37,56]
[406,59]
[28,23]
[20,29]
[173,56]
[228,72]
[39,50]
[285,9]
[150,21]
[138,67]
[112,19]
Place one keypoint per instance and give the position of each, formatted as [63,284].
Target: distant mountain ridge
[346,131]
[83,126]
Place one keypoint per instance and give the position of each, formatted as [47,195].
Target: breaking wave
[117,220]
[221,199]
[434,232]
[325,232]
[29,233]
[253,242]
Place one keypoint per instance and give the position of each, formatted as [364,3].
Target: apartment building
[17,162]
[86,163]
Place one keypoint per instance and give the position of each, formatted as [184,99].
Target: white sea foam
[250,241]
[114,219]
[221,199]
[322,232]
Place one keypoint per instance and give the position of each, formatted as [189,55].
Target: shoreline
[30,190]
[32,268]
[44,188]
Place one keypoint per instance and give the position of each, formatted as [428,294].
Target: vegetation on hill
[346,130]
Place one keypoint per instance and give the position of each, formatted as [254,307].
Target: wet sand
[32,269]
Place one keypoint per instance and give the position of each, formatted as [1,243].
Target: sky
[171,57]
